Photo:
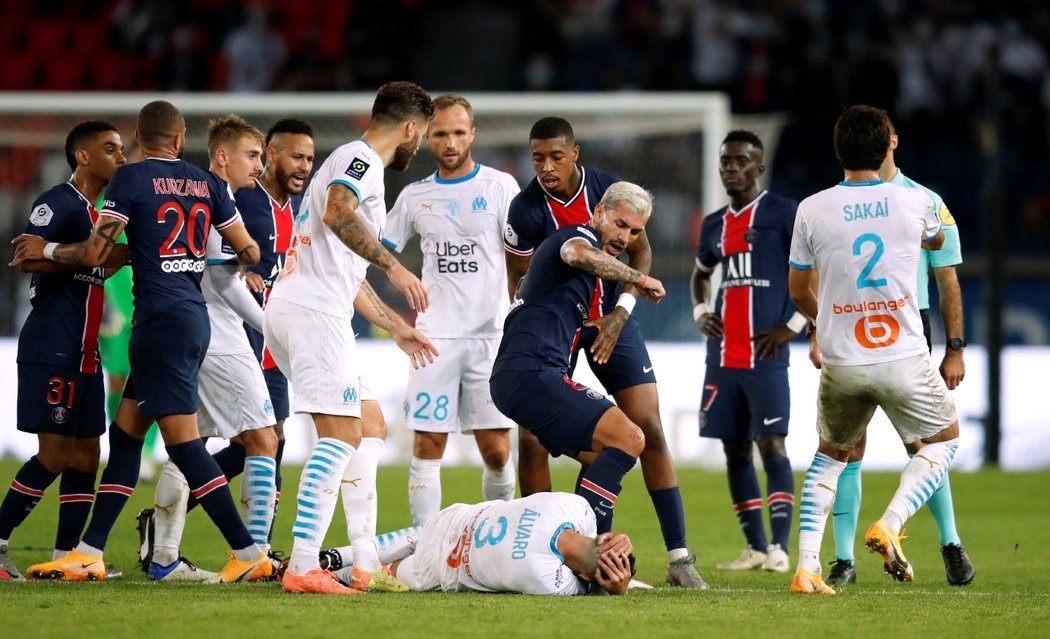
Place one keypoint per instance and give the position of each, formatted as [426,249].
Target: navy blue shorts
[740,403]
[629,363]
[276,382]
[53,399]
[166,352]
[561,413]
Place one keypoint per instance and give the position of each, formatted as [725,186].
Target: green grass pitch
[1004,520]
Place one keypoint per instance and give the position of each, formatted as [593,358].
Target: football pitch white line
[895,593]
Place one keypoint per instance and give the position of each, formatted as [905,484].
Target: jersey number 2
[865,280]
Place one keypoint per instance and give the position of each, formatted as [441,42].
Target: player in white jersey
[459,213]
[306,321]
[543,544]
[957,565]
[232,397]
[863,236]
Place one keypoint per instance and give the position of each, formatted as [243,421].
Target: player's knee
[429,445]
[260,443]
[771,446]
[86,455]
[738,452]
[632,440]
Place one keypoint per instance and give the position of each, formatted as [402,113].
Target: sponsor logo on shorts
[767,421]
[59,414]
[268,407]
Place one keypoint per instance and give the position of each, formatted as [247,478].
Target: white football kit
[460,225]
[500,546]
[307,317]
[232,396]
[864,240]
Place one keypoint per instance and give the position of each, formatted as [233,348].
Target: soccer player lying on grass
[543,544]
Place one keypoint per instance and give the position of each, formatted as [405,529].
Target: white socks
[258,495]
[818,496]
[318,490]
[424,489]
[920,479]
[169,514]
[358,490]
[498,483]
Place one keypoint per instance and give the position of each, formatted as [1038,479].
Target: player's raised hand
[415,344]
[652,289]
[614,542]
[410,286]
[27,247]
[614,573]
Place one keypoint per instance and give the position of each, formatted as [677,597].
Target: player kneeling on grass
[543,544]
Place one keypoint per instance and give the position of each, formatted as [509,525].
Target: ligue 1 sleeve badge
[41,215]
[357,168]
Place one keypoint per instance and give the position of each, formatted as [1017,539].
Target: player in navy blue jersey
[168,207]
[745,398]
[565,192]
[60,389]
[530,380]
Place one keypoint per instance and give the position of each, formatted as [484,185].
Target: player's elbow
[935,242]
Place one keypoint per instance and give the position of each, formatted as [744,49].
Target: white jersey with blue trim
[864,240]
[512,544]
[460,225]
[320,272]
[227,327]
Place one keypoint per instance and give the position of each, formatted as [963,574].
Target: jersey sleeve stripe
[390,245]
[511,249]
[554,539]
[111,213]
[347,185]
[235,218]
[801,267]
[703,269]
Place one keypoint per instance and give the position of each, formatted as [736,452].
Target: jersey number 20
[190,222]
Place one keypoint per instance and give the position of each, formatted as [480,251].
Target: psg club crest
[357,168]
[749,235]
[59,414]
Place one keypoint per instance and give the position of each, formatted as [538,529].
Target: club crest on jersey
[349,395]
[59,414]
[41,215]
[750,235]
[357,168]
[479,204]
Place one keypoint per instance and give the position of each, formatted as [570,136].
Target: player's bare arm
[801,291]
[416,345]
[236,235]
[935,242]
[709,323]
[340,215]
[640,258]
[953,368]
[815,357]
[517,266]
[94,251]
[577,253]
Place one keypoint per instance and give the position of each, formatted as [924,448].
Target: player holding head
[748,323]
[564,193]
[61,398]
[544,544]
[530,382]
[863,236]
[168,207]
[233,402]
[307,317]
[459,213]
[957,565]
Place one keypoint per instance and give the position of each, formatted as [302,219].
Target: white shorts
[452,394]
[318,353]
[910,391]
[232,396]
[427,568]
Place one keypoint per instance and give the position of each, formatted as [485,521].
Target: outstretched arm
[94,251]
[416,345]
[578,253]
[340,215]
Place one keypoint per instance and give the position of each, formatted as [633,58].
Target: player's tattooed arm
[640,257]
[375,310]
[91,252]
[246,249]
[416,345]
[340,215]
[578,253]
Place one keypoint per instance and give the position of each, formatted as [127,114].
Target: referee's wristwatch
[956,343]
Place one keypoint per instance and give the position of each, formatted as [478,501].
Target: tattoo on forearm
[352,232]
[110,233]
[601,264]
[377,304]
[249,255]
